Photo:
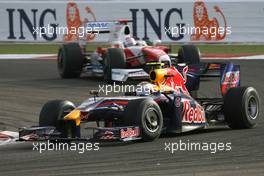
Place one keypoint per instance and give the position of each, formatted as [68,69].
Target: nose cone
[74,115]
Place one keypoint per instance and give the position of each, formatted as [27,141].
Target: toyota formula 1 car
[163,105]
[125,59]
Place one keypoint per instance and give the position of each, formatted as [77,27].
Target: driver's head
[130,41]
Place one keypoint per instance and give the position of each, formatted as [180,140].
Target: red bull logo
[193,115]
[130,132]
[177,82]
[107,135]
[231,79]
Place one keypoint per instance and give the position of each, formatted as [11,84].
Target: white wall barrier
[170,21]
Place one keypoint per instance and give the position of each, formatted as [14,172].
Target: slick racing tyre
[70,60]
[115,59]
[52,114]
[241,107]
[189,54]
[146,114]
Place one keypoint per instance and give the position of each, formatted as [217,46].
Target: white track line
[26,56]
[255,57]
[53,56]
[8,137]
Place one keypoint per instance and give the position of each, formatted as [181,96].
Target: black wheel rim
[152,120]
[252,108]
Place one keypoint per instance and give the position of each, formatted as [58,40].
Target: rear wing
[228,73]
[117,29]
[105,26]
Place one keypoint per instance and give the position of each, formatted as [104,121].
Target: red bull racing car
[163,105]
[125,59]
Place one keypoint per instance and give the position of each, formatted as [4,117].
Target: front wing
[123,134]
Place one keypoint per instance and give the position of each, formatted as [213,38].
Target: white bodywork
[124,74]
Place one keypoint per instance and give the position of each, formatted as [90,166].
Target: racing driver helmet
[130,41]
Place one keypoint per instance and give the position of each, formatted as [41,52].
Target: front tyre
[70,60]
[115,59]
[146,114]
[241,107]
[52,114]
[189,54]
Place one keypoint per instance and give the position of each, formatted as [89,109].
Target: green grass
[227,49]
[11,48]
[35,48]
[28,48]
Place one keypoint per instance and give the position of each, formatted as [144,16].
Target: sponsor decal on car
[129,132]
[108,135]
[112,103]
[193,114]
[231,78]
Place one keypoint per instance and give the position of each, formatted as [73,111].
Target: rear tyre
[189,54]
[146,114]
[241,107]
[115,59]
[52,114]
[70,60]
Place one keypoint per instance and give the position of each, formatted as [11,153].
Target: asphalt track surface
[25,85]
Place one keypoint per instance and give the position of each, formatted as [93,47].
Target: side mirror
[95,93]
